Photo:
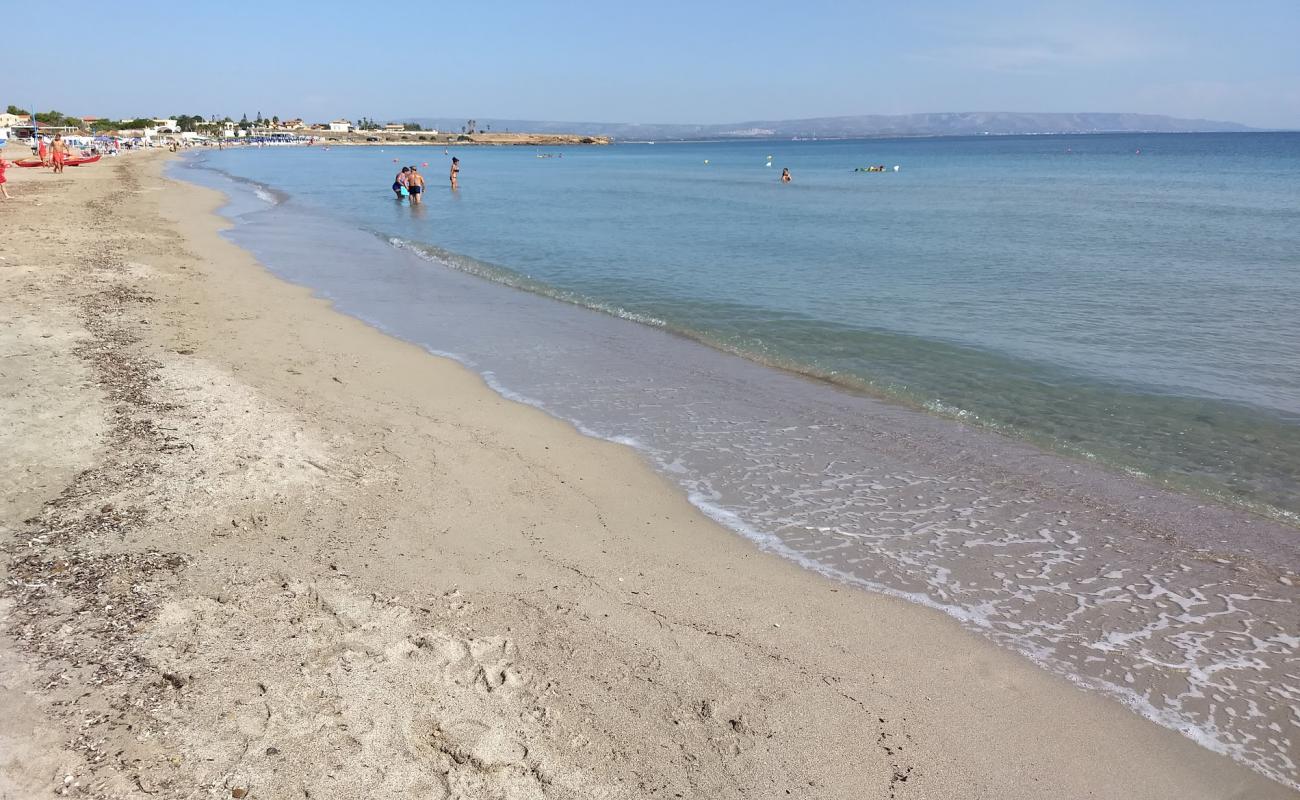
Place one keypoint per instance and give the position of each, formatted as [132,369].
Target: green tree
[49,117]
[411,126]
[15,110]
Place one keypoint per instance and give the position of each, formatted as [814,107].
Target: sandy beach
[256,549]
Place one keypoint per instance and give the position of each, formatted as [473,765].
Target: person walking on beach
[4,190]
[415,185]
[399,183]
[59,152]
[785,175]
[42,152]
[455,172]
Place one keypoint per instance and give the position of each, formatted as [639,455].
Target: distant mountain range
[973,123]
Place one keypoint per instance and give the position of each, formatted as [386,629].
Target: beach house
[8,122]
[340,126]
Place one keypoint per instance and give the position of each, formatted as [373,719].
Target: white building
[340,126]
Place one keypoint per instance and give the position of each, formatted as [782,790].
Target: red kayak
[74,161]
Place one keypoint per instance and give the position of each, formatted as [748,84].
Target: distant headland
[444,131]
[973,123]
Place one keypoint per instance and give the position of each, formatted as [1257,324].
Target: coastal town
[182,130]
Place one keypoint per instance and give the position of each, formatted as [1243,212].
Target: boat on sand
[74,161]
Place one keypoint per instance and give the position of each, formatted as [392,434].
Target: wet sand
[257,549]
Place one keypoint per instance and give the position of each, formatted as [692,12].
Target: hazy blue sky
[666,60]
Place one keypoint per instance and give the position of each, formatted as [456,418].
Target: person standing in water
[399,182]
[785,175]
[415,185]
[455,172]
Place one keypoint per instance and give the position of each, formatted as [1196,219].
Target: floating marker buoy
[425,164]
[897,168]
[706,161]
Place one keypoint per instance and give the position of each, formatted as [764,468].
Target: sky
[667,61]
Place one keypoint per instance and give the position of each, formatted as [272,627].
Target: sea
[1048,385]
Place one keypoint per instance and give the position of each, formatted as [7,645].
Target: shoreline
[1163,484]
[1081,437]
[1079,544]
[300,502]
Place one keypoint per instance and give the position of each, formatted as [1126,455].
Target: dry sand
[257,549]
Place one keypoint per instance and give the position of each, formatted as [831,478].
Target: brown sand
[257,549]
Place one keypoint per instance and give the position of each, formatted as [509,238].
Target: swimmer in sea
[399,183]
[785,175]
[455,172]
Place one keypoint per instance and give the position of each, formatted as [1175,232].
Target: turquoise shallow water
[1066,290]
[1126,298]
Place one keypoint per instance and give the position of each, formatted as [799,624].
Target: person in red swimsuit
[59,151]
[41,152]
[3,189]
